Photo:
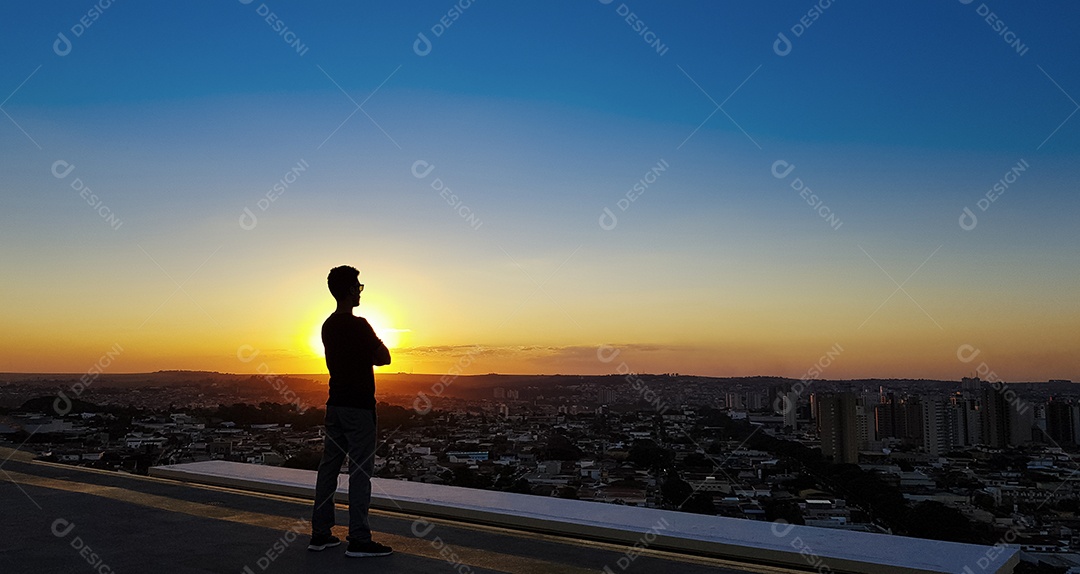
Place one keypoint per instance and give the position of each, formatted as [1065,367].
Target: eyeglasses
[359,288]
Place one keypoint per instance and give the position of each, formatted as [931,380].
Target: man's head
[344,284]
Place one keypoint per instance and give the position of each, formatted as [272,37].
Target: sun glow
[391,336]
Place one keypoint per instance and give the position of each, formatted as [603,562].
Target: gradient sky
[538,116]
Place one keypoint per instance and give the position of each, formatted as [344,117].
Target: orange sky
[515,328]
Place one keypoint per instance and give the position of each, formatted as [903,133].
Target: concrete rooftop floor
[59,518]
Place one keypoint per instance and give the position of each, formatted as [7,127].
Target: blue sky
[538,116]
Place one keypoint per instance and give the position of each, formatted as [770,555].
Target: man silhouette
[352,348]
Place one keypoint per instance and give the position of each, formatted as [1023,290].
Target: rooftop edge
[802,547]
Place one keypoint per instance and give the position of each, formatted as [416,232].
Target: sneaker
[323,542]
[362,549]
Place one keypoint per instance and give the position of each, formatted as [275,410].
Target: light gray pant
[348,431]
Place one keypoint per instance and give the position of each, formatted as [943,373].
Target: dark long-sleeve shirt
[352,349]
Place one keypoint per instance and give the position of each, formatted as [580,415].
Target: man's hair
[341,279]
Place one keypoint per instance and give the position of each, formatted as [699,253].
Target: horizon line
[283,374]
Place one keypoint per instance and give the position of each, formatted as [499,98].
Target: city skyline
[860,191]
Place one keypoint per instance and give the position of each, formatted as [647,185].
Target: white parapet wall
[800,547]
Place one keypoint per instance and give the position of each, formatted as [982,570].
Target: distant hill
[464,385]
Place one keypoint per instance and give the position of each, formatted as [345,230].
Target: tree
[567,492]
[984,501]
[522,486]
[50,403]
[648,454]
[932,519]
[1068,505]
[783,509]
[393,416]
[307,459]
[464,476]
[699,503]
[675,490]
[696,460]
[560,448]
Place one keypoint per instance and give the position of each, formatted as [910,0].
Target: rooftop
[250,518]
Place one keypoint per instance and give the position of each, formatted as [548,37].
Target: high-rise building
[755,401]
[889,418]
[1039,430]
[837,427]
[1023,416]
[1006,420]
[996,422]
[865,427]
[791,415]
[899,418]
[969,422]
[913,421]
[1063,422]
[940,425]
[784,401]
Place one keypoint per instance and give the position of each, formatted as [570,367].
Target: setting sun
[386,330]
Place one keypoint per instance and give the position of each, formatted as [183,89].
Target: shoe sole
[321,547]
[367,554]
